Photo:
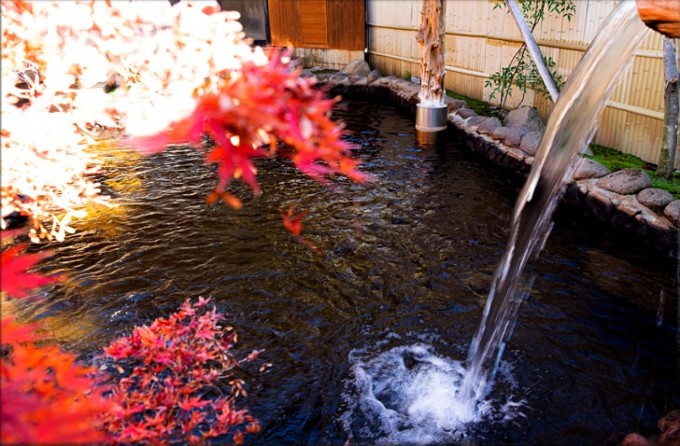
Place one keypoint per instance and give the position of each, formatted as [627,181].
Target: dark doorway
[253,18]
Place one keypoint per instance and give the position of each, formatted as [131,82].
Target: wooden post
[431,39]
[661,15]
[671,111]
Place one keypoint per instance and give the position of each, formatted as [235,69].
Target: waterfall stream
[570,128]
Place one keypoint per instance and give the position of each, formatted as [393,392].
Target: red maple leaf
[192,350]
[291,221]
[12,332]
[15,279]
[247,115]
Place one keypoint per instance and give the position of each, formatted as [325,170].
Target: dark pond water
[406,264]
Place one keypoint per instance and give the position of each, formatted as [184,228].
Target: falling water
[569,130]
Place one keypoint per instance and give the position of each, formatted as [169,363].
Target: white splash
[432,103]
[409,395]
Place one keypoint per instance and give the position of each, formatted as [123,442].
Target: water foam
[410,395]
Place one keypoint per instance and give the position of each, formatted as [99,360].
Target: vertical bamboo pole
[431,38]
[532,46]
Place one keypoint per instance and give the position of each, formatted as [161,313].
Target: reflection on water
[406,264]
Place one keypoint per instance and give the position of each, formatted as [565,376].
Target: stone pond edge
[514,147]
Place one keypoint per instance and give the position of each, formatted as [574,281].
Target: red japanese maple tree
[46,397]
[168,382]
[159,74]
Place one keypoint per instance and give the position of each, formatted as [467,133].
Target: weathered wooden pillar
[431,37]
[431,112]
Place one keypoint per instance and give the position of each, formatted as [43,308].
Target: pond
[404,270]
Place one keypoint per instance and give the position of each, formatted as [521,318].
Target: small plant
[522,72]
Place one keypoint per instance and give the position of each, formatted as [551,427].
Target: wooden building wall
[333,24]
[480,40]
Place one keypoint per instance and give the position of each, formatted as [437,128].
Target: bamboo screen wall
[480,40]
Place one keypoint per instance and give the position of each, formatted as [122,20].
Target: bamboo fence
[481,39]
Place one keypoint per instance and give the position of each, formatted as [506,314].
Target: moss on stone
[615,160]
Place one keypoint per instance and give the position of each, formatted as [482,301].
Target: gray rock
[600,203]
[323,76]
[585,186]
[669,426]
[359,67]
[476,121]
[511,136]
[387,79]
[373,76]
[588,168]
[358,80]
[397,83]
[629,206]
[625,182]
[515,135]
[655,199]
[500,132]
[672,212]
[525,117]
[354,78]
[515,156]
[306,73]
[530,142]
[338,77]
[634,439]
[489,125]
[455,104]
[405,89]
[466,113]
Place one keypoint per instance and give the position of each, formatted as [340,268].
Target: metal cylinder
[431,119]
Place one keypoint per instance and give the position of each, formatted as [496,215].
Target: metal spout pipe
[662,16]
